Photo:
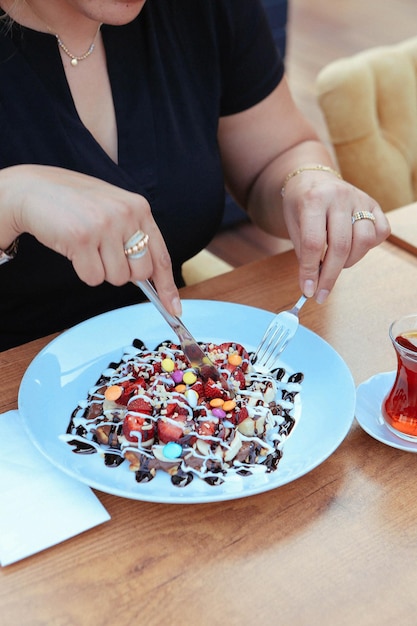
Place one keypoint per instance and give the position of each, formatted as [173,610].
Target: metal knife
[198,359]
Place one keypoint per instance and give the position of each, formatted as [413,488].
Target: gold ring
[363,215]
[136,246]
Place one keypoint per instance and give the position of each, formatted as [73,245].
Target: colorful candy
[168,365]
[229,405]
[177,376]
[234,359]
[160,414]
[189,377]
[172,450]
[113,393]
[192,397]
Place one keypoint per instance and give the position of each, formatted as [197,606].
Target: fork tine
[277,349]
[277,336]
[273,348]
[272,335]
[266,339]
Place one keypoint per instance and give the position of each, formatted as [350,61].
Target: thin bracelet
[319,168]
[10,252]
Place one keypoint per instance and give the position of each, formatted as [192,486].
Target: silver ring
[363,215]
[137,245]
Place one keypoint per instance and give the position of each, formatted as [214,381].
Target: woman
[126,119]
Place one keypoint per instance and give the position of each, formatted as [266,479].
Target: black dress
[173,71]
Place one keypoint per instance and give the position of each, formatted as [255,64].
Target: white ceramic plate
[369,397]
[62,373]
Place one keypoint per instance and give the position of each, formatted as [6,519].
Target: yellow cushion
[369,102]
[202,266]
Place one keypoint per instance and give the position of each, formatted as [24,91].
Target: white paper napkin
[40,506]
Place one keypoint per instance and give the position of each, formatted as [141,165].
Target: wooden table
[335,547]
[404,227]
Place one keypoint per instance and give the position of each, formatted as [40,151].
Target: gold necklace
[74,58]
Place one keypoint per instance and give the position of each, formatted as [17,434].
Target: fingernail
[322,295]
[176,307]
[309,288]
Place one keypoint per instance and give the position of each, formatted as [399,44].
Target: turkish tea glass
[399,407]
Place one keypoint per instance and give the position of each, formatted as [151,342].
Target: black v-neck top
[174,70]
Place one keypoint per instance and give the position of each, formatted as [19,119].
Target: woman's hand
[260,147]
[88,221]
[318,210]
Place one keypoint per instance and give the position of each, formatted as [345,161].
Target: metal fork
[277,336]
[197,358]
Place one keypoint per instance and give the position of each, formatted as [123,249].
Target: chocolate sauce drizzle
[248,456]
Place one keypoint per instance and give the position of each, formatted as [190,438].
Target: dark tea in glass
[399,407]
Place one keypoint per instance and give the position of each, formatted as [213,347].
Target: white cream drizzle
[256,398]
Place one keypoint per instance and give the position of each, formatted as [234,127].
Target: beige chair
[369,103]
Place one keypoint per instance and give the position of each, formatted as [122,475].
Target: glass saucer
[369,397]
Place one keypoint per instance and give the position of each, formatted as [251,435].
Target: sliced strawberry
[239,377]
[168,430]
[173,409]
[157,367]
[140,404]
[129,389]
[135,424]
[218,354]
[238,415]
[213,390]
[198,387]
[140,382]
[136,372]
[227,346]
[206,429]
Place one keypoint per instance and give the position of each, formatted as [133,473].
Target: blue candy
[172,450]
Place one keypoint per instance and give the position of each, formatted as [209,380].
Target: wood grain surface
[337,546]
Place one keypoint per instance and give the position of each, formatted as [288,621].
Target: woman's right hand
[88,221]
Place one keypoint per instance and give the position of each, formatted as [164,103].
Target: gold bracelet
[10,252]
[319,168]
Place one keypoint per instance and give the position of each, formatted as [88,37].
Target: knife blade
[196,356]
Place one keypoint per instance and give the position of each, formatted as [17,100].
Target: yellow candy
[113,393]
[229,405]
[168,365]
[234,359]
[216,402]
[189,378]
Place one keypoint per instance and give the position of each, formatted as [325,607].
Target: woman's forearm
[11,190]
[265,203]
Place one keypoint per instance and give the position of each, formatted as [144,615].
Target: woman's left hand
[260,147]
[332,223]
